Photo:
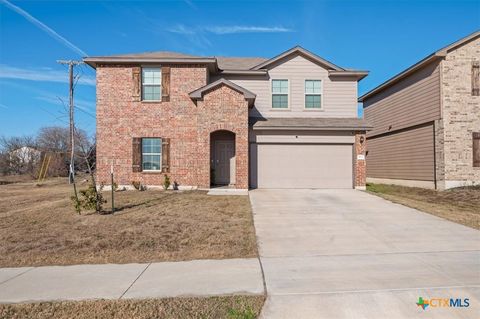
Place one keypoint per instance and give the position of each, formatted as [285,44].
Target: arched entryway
[222,158]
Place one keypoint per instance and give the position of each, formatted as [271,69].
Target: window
[151,154]
[476,149]
[280,94]
[151,84]
[313,94]
[476,78]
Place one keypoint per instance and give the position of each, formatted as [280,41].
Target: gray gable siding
[339,96]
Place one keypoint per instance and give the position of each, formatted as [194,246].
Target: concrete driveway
[349,254]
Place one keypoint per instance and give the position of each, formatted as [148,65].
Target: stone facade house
[284,122]
[427,121]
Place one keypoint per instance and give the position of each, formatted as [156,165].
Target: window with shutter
[151,84]
[476,78]
[151,154]
[476,149]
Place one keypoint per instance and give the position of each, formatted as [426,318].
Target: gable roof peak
[298,49]
[198,93]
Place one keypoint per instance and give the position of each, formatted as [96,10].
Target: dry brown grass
[234,307]
[38,226]
[460,205]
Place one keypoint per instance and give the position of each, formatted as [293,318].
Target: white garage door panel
[304,166]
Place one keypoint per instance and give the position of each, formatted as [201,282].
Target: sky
[381,36]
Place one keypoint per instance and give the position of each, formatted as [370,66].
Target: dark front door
[224,162]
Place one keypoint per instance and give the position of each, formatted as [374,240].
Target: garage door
[301,166]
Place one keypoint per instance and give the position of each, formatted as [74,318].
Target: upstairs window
[280,94]
[151,154]
[313,94]
[151,84]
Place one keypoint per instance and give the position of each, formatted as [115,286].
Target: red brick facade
[120,118]
[360,168]
[223,108]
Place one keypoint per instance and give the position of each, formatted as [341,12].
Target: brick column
[360,164]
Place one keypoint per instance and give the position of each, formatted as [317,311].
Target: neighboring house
[24,156]
[427,121]
[285,122]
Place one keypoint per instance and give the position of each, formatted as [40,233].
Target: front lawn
[38,226]
[460,205]
[229,307]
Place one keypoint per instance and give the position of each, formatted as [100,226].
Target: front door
[224,162]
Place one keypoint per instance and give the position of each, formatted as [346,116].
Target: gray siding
[413,100]
[339,96]
[407,154]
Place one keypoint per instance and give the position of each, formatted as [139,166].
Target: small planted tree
[166,182]
[91,198]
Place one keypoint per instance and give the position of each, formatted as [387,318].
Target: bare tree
[56,140]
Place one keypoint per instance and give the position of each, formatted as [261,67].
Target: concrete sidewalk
[111,281]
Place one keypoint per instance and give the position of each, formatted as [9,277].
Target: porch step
[228,191]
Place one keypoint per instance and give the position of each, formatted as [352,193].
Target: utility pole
[71,64]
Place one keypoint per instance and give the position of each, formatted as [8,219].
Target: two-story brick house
[427,121]
[285,122]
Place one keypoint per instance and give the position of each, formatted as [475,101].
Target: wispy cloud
[41,74]
[42,26]
[190,4]
[3,106]
[220,30]
[246,29]
[54,99]
[181,29]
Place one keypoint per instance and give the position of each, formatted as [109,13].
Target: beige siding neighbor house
[427,121]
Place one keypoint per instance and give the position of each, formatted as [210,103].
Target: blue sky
[381,36]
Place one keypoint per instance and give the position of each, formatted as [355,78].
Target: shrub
[166,182]
[138,186]
[89,199]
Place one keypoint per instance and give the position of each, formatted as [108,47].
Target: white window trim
[305,95]
[288,95]
[161,155]
[141,84]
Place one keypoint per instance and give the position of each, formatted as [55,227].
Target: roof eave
[244,72]
[313,128]
[359,75]
[94,61]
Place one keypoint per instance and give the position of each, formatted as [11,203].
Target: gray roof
[238,63]
[309,123]
[439,54]
[224,65]
[157,54]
